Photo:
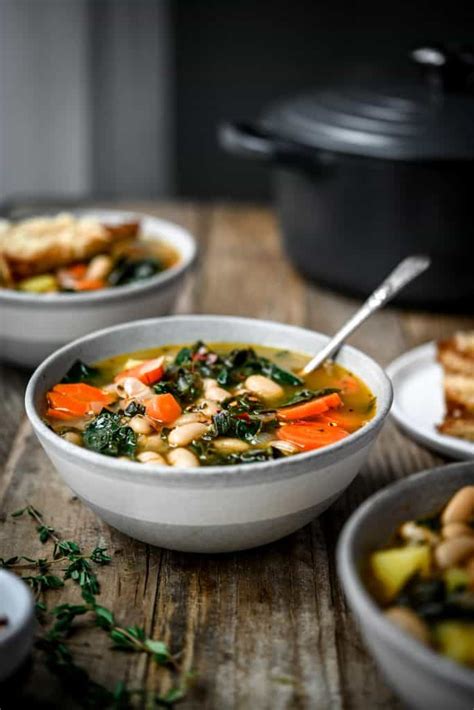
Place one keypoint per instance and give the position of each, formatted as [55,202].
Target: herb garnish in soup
[204,405]
[424,578]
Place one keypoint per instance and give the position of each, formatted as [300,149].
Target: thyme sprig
[78,565]
[60,622]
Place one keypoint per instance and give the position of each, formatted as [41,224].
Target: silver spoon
[406,271]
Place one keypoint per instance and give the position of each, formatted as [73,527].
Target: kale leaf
[208,456]
[127,271]
[80,372]
[107,435]
[133,409]
[307,395]
[241,426]
[183,384]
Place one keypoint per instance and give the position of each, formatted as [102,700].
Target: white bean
[450,552]
[140,425]
[184,435]
[189,417]
[460,508]
[132,387]
[286,447]
[208,408]
[418,533]
[229,445]
[99,267]
[182,458]
[217,394]
[455,530]
[407,620]
[263,387]
[73,437]
[152,443]
[151,457]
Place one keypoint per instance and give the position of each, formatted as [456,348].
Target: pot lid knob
[445,68]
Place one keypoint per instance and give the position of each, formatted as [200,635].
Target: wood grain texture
[268,628]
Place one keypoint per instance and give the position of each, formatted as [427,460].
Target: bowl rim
[97,298]
[281,467]
[24,601]
[365,606]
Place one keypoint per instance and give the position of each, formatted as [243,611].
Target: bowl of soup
[199,433]
[406,561]
[66,275]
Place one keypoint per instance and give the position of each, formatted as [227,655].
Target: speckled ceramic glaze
[421,677]
[211,509]
[32,326]
[16,638]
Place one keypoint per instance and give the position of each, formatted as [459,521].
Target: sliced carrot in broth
[148,372]
[311,435]
[350,421]
[68,404]
[311,408]
[163,407]
[84,392]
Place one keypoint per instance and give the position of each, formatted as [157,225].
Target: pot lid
[433,120]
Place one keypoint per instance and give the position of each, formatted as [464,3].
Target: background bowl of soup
[421,676]
[33,325]
[210,508]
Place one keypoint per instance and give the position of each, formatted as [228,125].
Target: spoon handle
[406,271]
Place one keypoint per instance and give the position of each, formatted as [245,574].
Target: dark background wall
[232,58]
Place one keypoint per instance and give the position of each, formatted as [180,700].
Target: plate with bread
[434,394]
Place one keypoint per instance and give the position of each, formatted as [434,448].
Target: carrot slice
[148,372]
[311,408]
[76,271]
[350,421]
[349,384]
[59,414]
[68,404]
[163,407]
[84,392]
[311,435]
[88,284]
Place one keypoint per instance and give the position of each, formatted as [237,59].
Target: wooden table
[268,628]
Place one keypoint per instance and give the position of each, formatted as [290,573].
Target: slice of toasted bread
[456,356]
[462,427]
[42,244]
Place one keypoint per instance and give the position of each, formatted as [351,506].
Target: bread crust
[456,356]
[39,245]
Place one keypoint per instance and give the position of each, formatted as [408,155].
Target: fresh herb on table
[106,434]
[60,622]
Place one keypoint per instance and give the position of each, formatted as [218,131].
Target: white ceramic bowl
[16,638]
[422,678]
[33,326]
[218,508]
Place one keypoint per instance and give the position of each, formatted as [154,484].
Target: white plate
[418,403]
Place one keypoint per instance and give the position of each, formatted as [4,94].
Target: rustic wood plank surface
[268,628]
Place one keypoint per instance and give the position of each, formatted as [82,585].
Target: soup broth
[201,405]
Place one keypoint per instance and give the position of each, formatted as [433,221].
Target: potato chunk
[393,568]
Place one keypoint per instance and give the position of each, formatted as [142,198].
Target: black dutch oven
[363,178]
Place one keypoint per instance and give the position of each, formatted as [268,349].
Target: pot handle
[248,140]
